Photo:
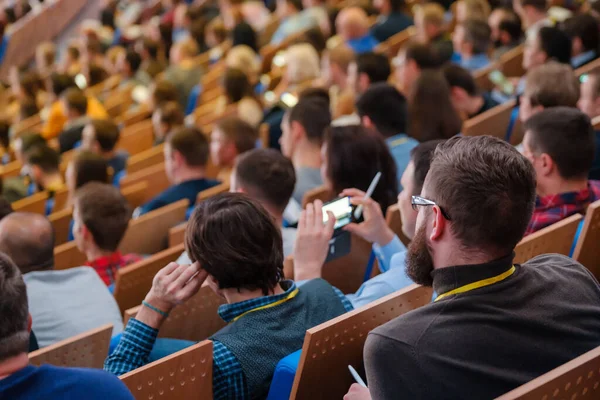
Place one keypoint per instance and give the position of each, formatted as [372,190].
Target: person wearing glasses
[494,325]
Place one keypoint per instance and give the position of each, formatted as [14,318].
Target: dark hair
[61,82]
[30,140]
[166,36]
[313,114]
[197,28]
[4,133]
[11,16]
[244,34]
[266,175]
[89,167]
[354,157]
[97,74]
[14,335]
[424,55]
[511,24]
[30,83]
[106,133]
[540,5]
[191,144]
[375,65]
[171,114]
[482,178]
[296,3]
[152,47]
[315,92]
[134,60]
[477,33]
[75,100]
[243,135]
[104,212]
[386,108]
[585,27]
[163,92]
[107,18]
[28,108]
[237,242]
[236,85]
[457,76]
[555,43]
[314,36]
[397,5]
[73,52]
[44,157]
[421,156]
[431,113]
[567,136]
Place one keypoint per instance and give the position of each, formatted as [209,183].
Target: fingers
[186,272]
[330,223]
[168,270]
[353,193]
[310,216]
[352,228]
[318,218]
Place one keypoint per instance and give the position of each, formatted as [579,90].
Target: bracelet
[150,306]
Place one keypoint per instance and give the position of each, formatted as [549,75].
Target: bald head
[352,23]
[28,239]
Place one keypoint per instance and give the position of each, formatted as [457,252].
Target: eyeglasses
[421,201]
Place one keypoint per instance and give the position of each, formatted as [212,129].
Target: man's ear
[363,81]
[366,122]
[547,165]
[439,224]
[29,322]
[297,131]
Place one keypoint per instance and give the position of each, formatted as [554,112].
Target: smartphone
[342,211]
[498,79]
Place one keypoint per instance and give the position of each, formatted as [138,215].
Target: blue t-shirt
[119,161]
[400,147]
[185,190]
[49,382]
[363,44]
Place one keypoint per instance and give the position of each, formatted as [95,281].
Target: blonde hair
[433,13]
[245,59]
[476,9]
[188,48]
[302,62]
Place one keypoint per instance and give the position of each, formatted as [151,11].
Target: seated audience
[75,106]
[230,137]
[560,144]
[484,300]
[431,114]
[547,44]
[166,119]
[317,9]
[471,40]
[183,73]
[506,32]
[42,163]
[302,68]
[152,63]
[303,128]
[18,187]
[383,108]
[533,14]
[240,93]
[335,63]
[352,24]
[83,168]
[244,58]
[585,38]
[352,157]
[589,103]
[62,303]
[101,136]
[411,60]
[392,19]
[186,156]
[550,85]
[101,216]
[293,21]
[128,66]
[242,365]
[466,97]
[21,380]
[472,9]
[367,69]
[431,29]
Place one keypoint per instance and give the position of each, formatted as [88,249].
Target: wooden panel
[68,256]
[186,374]
[512,62]
[556,238]
[145,159]
[61,222]
[588,68]
[319,193]
[213,191]
[11,170]
[177,235]
[137,138]
[263,135]
[61,198]
[330,347]
[394,221]
[392,46]
[135,194]
[135,280]
[148,234]
[493,122]
[577,379]
[196,319]
[587,250]
[87,350]
[155,176]
[35,203]
[482,79]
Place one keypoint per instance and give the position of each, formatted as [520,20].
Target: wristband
[156,310]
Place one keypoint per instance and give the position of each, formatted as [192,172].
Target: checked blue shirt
[229,381]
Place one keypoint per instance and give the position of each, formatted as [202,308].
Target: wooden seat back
[137,137]
[87,350]
[577,379]
[196,319]
[145,159]
[588,68]
[587,251]
[67,255]
[134,281]
[148,234]
[61,222]
[186,374]
[213,191]
[330,347]
[61,197]
[177,235]
[36,203]
[319,193]
[11,170]
[556,238]
[482,79]
[511,62]
[493,122]
[392,45]
[155,177]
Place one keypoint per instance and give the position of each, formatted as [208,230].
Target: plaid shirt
[554,208]
[229,381]
[106,267]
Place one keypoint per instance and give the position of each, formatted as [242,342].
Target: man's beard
[419,263]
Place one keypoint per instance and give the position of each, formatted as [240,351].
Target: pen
[356,376]
[370,190]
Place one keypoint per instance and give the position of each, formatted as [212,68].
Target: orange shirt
[57,119]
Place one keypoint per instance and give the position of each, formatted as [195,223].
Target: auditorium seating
[186,374]
[319,193]
[493,122]
[35,203]
[61,222]
[587,251]
[155,176]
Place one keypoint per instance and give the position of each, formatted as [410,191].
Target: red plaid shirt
[556,207]
[107,266]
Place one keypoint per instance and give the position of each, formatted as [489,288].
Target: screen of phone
[341,209]
[498,79]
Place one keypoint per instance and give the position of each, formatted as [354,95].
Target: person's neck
[474,104]
[233,295]
[559,186]
[189,175]
[307,155]
[52,180]
[93,253]
[13,364]
[449,256]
